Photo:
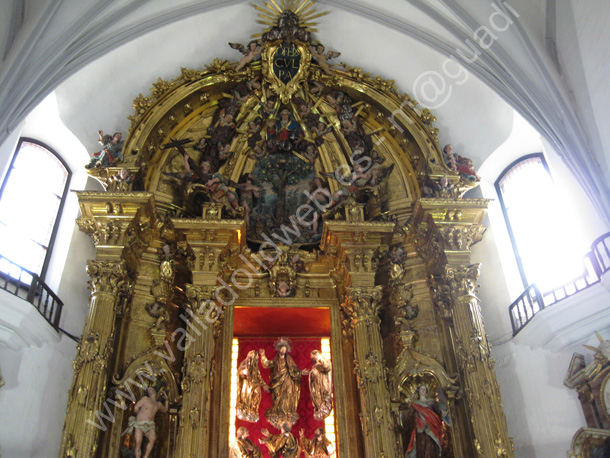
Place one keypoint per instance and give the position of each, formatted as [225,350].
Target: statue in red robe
[425,420]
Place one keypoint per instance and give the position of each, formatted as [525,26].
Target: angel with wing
[317,52]
[363,177]
[251,52]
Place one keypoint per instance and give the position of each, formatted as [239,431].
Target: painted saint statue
[285,384]
[424,418]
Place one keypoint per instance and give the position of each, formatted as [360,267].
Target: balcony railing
[532,301]
[28,286]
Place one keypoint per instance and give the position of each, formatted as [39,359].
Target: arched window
[545,236]
[31,200]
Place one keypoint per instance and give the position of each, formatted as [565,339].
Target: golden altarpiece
[285,196]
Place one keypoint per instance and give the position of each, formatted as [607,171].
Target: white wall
[33,401]
[582,42]
[542,414]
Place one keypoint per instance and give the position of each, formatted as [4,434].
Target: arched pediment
[333,127]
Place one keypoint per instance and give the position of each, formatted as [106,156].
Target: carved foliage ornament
[108,277]
[104,231]
[206,305]
[362,304]
[461,237]
[462,279]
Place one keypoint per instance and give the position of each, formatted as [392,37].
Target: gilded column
[357,246]
[204,321]
[476,363]
[361,307]
[205,401]
[443,231]
[87,398]
[114,221]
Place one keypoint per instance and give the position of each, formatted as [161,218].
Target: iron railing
[600,252]
[532,301]
[525,307]
[28,286]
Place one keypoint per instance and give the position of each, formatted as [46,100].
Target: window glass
[32,196]
[546,239]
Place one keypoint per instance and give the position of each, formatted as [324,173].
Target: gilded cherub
[123,180]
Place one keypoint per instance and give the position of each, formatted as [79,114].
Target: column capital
[362,304]
[358,247]
[444,230]
[462,279]
[199,298]
[116,220]
[108,277]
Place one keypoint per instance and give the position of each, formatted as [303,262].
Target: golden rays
[271,11]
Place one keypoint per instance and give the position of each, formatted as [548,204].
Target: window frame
[49,247]
[509,227]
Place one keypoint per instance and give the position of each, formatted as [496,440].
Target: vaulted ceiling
[99,55]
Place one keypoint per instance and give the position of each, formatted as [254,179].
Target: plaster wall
[582,38]
[35,396]
[541,413]
[34,399]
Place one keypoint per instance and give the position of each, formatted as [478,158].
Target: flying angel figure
[251,52]
[361,179]
[317,52]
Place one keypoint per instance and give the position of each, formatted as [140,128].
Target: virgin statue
[285,384]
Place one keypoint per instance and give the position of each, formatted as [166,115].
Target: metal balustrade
[28,286]
[532,301]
